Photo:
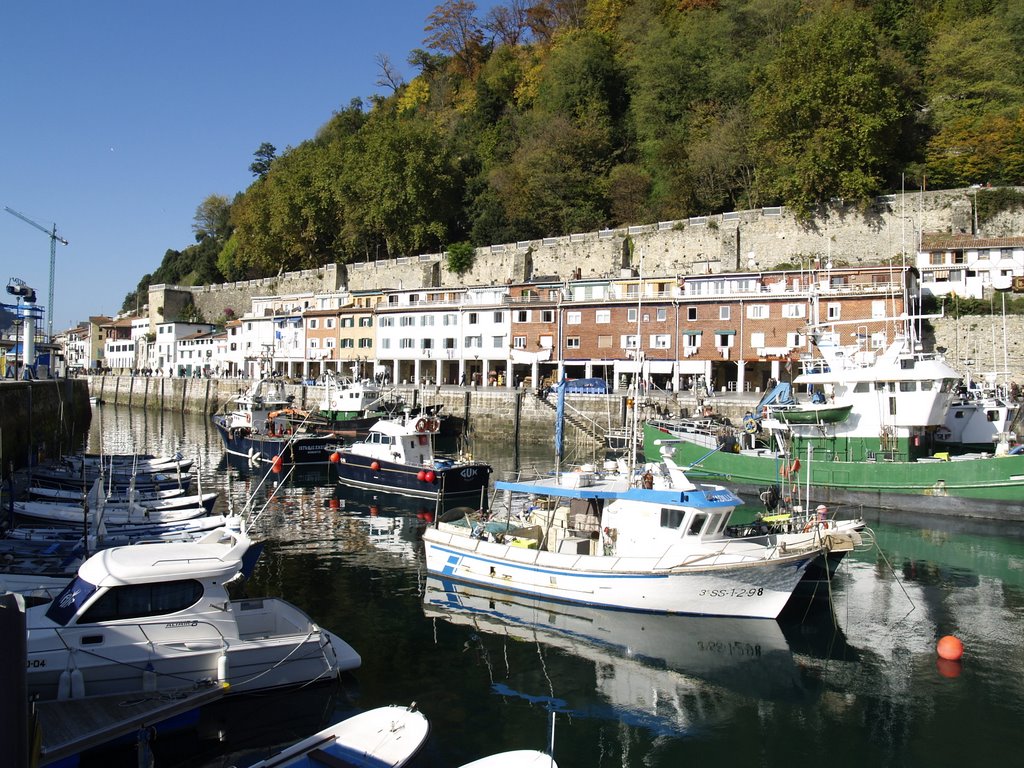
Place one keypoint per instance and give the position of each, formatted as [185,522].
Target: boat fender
[77,684]
[149,678]
[222,668]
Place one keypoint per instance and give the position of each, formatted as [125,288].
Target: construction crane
[54,239]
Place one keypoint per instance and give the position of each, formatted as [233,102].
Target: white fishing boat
[128,464]
[159,617]
[385,737]
[647,539]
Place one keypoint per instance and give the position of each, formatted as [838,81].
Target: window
[407,321]
[572,342]
[878,309]
[547,315]
[387,322]
[631,315]
[878,340]
[724,313]
[499,317]
[519,342]
[473,341]
[521,316]
[329,343]
[691,313]
[365,343]
[661,341]
[723,339]
[329,322]
[662,314]
[448,343]
[365,322]
[497,342]
[406,344]
[628,342]
[757,311]
[140,600]
[426,320]
[573,318]
[672,518]
[757,340]
[697,524]
[349,343]
[793,310]
[312,324]
[834,310]
[603,316]
[794,339]
[472,318]
[314,343]
[426,343]
[450,320]
[546,342]
[604,342]
[936,258]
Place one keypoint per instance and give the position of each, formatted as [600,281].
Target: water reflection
[855,681]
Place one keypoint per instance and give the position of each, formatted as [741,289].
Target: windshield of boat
[71,598]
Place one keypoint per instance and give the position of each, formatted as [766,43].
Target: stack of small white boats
[60,526]
[158,617]
[644,539]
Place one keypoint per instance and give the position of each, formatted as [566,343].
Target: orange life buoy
[809,527]
[421,425]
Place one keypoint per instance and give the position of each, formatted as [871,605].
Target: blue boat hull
[257,448]
[467,481]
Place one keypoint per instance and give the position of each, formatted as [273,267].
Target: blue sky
[118,118]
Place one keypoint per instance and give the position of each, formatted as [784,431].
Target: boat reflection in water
[667,673]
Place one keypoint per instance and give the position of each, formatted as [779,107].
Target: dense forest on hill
[546,117]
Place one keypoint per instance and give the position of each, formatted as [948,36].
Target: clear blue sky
[119,117]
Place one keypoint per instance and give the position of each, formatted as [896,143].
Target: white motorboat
[645,540]
[159,617]
[385,737]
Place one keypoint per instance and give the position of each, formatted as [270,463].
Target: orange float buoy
[374,466]
[374,510]
[334,504]
[950,648]
[428,517]
[335,457]
[421,475]
[276,464]
[430,476]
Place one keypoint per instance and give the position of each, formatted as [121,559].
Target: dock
[72,726]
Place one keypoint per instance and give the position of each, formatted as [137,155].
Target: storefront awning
[660,366]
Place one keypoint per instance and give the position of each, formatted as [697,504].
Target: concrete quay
[490,412]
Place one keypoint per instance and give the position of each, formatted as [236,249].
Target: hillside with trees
[546,117]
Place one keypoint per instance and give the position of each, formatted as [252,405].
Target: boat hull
[990,487]
[292,449]
[467,480]
[748,590]
[162,655]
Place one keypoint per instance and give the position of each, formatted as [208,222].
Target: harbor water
[851,681]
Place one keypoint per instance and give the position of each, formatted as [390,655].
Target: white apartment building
[165,348]
[966,265]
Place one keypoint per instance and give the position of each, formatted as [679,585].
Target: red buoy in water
[430,476]
[374,510]
[428,517]
[421,475]
[276,464]
[334,504]
[950,648]
[374,466]
[335,457]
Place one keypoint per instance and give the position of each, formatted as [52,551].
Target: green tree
[459,257]
[828,111]
[213,218]
[265,156]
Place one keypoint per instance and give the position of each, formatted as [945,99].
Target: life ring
[421,425]
[809,527]
[749,424]
[434,425]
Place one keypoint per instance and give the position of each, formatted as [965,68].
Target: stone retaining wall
[41,419]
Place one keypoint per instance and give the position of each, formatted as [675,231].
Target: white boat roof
[517,758]
[216,555]
[393,427]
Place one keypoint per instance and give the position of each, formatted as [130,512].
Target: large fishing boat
[882,453]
